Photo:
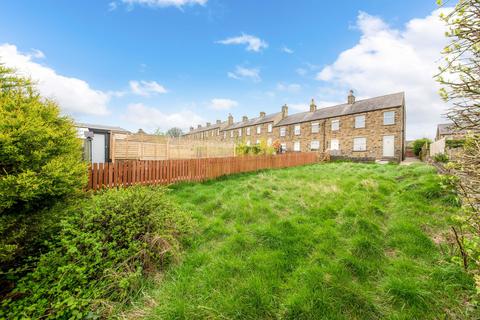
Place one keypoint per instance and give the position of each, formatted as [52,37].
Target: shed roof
[365,105]
[99,127]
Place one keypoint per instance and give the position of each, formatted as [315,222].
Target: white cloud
[112,6]
[222,104]
[253,43]
[301,71]
[38,54]
[164,3]
[150,118]
[299,106]
[289,87]
[387,60]
[72,94]
[146,88]
[286,50]
[245,73]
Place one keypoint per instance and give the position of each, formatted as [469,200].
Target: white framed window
[283,131]
[360,122]
[258,141]
[297,129]
[284,146]
[315,127]
[270,127]
[359,144]
[296,146]
[248,131]
[315,145]
[212,132]
[239,132]
[259,129]
[231,133]
[335,125]
[248,142]
[224,134]
[334,145]
[389,117]
[269,141]
[218,132]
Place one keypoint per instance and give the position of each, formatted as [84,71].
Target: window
[389,117]
[283,131]
[239,132]
[258,141]
[218,132]
[360,122]
[248,131]
[334,145]
[212,132]
[231,133]
[296,146]
[259,129]
[284,146]
[335,125]
[359,144]
[297,130]
[315,145]
[248,142]
[315,127]
[224,134]
[269,141]
[270,127]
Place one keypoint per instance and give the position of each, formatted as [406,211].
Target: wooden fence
[130,172]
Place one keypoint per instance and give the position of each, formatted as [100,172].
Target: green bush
[440,157]
[261,148]
[418,145]
[454,143]
[106,246]
[40,163]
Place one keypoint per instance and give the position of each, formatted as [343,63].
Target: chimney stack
[284,111]
[244,118]
[351,97]
[208,124]
[313,106]
[191,128]
[219,121]
[230,119]
[262,114]
[199,126]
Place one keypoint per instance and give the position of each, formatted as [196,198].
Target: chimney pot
[208,124]
[244,118]
[284,111]
[191,128]
[199,126]
[219,121]
[351,97]
[313,106]
[262,114]
[230,119]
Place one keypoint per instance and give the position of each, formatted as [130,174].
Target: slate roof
[446,128]
[99,127]
[252,122]
[366,105]
[205,128]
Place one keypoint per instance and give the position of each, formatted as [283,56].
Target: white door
[98,148]
[388,146]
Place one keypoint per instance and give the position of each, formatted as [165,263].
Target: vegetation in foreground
[328,241]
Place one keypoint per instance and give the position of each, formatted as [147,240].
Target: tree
[418,145]
[40,162]
[174,132]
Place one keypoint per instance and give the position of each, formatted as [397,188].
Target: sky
[162,63]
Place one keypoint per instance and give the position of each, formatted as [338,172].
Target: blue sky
[160,63]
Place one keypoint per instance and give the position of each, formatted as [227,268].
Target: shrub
[106,245]
[440,157]
[40,162]
[454,143]
[261,148]
[418,145]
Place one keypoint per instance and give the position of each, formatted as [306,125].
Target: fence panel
[130,172]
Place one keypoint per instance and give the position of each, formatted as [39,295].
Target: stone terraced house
[370,129]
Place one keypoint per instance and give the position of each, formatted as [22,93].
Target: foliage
[418,145]
[440,157]
[326,241]
[454,143]
[159,132]
[40,163]
[460,74]
[174,132]
[261,148]
[106,245]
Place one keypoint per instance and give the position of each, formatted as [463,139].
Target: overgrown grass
[327,241]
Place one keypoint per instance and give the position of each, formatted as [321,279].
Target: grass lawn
[326,241]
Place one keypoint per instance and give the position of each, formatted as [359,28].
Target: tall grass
[327,241]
